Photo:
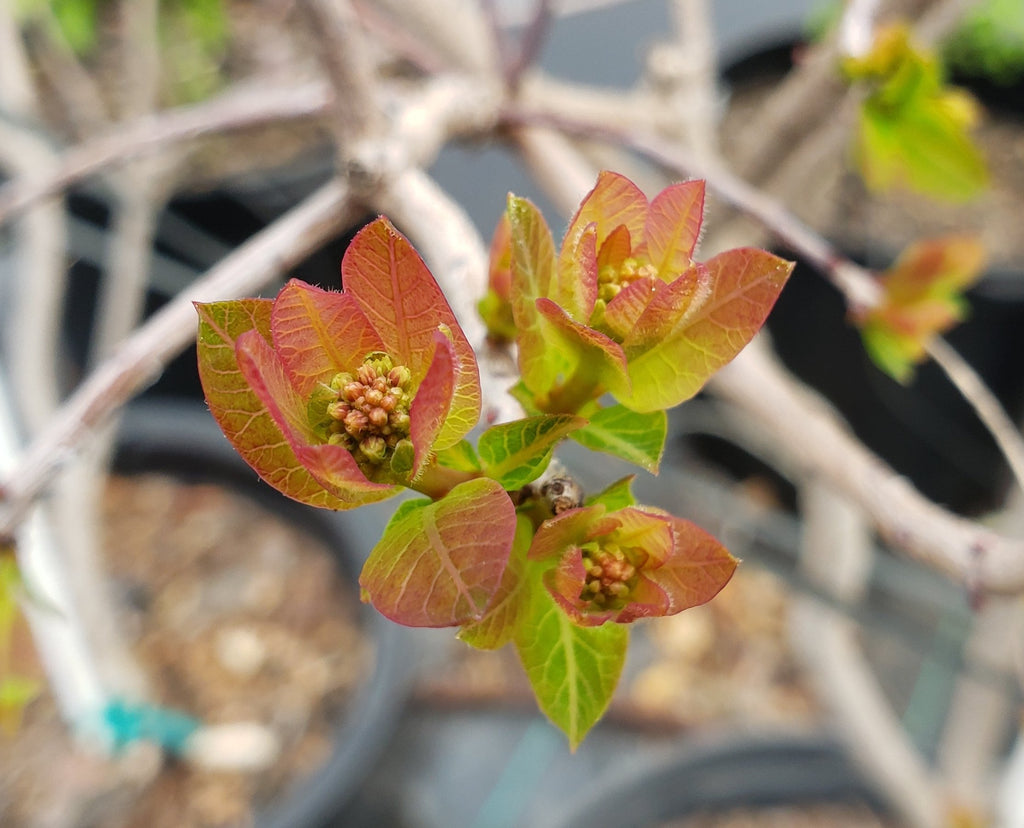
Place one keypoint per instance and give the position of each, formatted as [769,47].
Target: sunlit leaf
[631,435]
[317,333]
[441,563]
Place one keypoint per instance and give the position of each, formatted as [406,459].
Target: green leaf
[890,353]
[914,129]
[440,564]
[922,146]
[461,457]
[617,496]
[516,453]
[633,436]
[500,623]
[573,670]
[533,271]
[235,406]
[744,284]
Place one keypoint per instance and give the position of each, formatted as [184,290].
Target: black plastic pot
[722,774]
[182,440]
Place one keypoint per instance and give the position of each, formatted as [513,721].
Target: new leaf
[518,452]
[440,564]
[573,670]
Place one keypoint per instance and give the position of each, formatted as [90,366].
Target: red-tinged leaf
[502,620]
[495,307]
[517,453]
[266,376]
[245,421]
[921,298]
[533,271]
[614,201]
[744,286]
[573,670]
[615,250]
[576,285]
[622,314]
[500,260]
[331,466]
[645,530]
[317,333]
[934,268]
[337,471]
[440,564]
[673,228]
[432,401]
[570,528]
[665,307]
[399,296]
[696,571]
[590,352]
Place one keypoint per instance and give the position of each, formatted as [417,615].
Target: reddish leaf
[332,466]
[664,306]
[576,286]
[614,201]
[431,403]
[317,333]
[744,286]
[696,571]
[441,564]
[673,227]
[503,616]
[238,411]
[921,299]
[399,296]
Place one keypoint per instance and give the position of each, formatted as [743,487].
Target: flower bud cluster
[611,280]
[610,575]
[371,414]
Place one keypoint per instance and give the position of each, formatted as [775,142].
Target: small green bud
[374,448]
[403,458]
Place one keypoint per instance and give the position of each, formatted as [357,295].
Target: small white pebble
[239,746]
[240,651]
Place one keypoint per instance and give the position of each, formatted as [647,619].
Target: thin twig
[341,48]
[985,404]
[530,44]
[237,109]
